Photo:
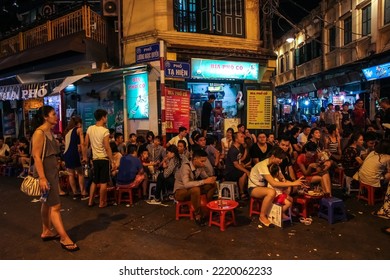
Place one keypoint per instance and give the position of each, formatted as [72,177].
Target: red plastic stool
[370,193]
[303,202]
[255,206]
[180,210]
[122,189]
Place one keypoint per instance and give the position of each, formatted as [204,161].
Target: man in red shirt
[308,165]
[359,116]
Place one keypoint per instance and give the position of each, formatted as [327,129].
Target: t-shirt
[176,139]
[302,138]
[256,152]
[256,177]
[128,169]
[359,118]
[302,159]
[373,169]
[233,155]
[349,162]
[96,136]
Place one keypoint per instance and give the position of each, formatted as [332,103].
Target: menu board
[259,110]
[177,109]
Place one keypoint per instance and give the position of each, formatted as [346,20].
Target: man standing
[359,116]
[181,136]
[191,182]
[330,115]
[207,108]
[98,136]
[235,170]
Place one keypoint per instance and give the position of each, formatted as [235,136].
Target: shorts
[234,175]
[280,199]
[101,171]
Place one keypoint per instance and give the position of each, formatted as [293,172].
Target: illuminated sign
[259,109]
[223,69]
[27,91]
[377,72]
[137,95]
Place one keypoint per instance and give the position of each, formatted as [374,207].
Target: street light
[290,40]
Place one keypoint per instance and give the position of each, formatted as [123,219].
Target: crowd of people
[190,166]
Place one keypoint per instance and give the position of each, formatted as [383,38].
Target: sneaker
[84,197]
[153,201]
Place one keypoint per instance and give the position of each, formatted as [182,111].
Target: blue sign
[177,69]
[377,72]
[147,53]
[137,95]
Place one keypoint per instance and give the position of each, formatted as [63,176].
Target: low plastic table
[222,207]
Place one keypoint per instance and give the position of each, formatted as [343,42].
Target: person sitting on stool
[192,181]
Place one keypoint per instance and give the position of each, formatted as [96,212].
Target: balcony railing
[80,20]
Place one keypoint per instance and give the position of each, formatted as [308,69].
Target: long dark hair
[74,121]
[39,117]
[175,150]
[354,137]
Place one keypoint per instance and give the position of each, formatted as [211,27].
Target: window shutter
[204,16]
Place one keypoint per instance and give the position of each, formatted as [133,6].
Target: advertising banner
[259,109]
[223,69]
[137,93]
[377,72]
[177,109]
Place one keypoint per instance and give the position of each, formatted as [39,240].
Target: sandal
[72,247]
[375,213]
[244,196]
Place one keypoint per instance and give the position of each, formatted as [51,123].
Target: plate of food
[315,193]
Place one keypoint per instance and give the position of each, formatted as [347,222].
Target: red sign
[177,109]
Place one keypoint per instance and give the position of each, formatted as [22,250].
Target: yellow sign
[259,109]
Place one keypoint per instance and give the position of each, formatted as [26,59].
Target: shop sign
[147,53]
[177,69]
[259,109]
[137,95]
[377,72]
[177,109]
[27,91]
[223,69]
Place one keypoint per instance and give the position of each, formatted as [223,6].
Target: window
[218,17]
[281,64]
[387,12]
[308,51]
[332,38]
[366,20]
[287,55]
[348,30]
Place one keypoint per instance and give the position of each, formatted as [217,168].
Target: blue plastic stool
[332,209]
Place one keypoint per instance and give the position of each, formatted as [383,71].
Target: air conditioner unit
[110,8]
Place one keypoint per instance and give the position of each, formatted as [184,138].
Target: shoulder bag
[30,185]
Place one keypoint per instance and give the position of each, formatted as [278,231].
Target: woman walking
[45,119]
[74,142]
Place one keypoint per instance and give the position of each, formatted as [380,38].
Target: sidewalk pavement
[149,232]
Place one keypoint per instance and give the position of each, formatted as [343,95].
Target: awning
[66,82]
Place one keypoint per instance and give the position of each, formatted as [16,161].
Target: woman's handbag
[30,185]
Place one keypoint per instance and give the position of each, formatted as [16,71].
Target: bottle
[86,170]
[44,195]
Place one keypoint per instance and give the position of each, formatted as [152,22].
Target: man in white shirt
[98,136]
[302,137]
[181,136]
[4,151]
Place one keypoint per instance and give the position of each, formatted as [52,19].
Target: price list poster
[259,109]
[177,109]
